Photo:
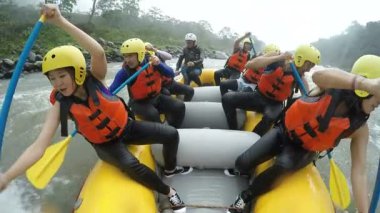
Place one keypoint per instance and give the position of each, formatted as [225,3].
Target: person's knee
[149,115]
[285,163]
[180,106]
[190,91]
[227,99]
[171,134]
[218,74]
[242,165]
[165,91]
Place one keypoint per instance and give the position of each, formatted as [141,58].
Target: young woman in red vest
[275,86]
[145,95]
[100,117]
[337,109]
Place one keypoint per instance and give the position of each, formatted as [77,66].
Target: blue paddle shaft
[16,75]
[298,78]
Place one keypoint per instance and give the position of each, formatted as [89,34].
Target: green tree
[131,7]
[93,10]
[107,7]
[66,6]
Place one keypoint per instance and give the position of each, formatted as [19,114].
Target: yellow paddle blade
[339,190]
[43,170]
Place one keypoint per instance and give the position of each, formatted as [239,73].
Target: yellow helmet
[66,56]
[367,66]
[150,52]
[306,52]
[134,45]
[247,40]
[271,48]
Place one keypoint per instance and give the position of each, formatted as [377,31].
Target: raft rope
[200,206]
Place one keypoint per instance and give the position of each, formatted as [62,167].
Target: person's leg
[264,149]
[217,76]
[228,85]
[184,71]
[194,76]
[145,132]
[145,110]
[271,113]
[173,109]
[182,89]
[291,158]
[234,74]
[165,90]
[242,100]
[220,74]
[118,155]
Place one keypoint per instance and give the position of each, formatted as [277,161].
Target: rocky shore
[34,60]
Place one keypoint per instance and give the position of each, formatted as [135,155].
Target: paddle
[376,192]
[16,75]
[340,193]
[45,168]
[253,48]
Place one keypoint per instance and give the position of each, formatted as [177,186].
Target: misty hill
[111,20]
[357,40]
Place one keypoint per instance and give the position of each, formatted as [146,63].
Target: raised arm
[164,55]
[98,58]
[264,61]
[237,42]
[338,79]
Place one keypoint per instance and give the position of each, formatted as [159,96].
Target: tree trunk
[92,11]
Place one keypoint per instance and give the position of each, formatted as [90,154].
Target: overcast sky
[286,23]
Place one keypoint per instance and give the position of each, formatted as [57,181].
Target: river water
[29,106]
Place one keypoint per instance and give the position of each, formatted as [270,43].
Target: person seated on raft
[275,86]
[100,117]
[168,85]
[193,56]
[338,108]
[236,62]
[146,100]
[247,82]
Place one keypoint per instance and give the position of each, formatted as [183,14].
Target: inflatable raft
[207,145]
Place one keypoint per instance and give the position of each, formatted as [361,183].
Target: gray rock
[39,58]
[32,57]
[102,41]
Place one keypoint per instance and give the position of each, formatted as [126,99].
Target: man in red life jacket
[247,82]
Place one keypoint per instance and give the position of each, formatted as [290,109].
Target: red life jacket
[238,60]
[311,121]
[276,85]
[253,76]
[101,119]
[146,85]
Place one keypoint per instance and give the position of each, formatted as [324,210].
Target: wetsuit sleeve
[199,62]
[165,70]
[180,59]
[164,55]
[120,77]
[236,49]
